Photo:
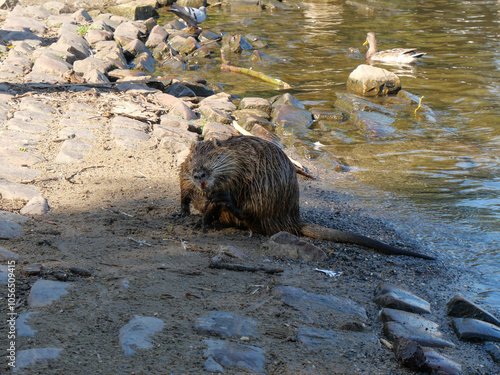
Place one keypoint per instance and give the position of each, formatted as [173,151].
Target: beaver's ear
[216,142]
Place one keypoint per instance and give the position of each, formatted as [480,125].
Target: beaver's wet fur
[248,182]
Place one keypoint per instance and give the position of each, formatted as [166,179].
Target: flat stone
[248,120]
[83,120]
[14,23]
[36,206]
[129,123]
[19,158]
[82,107]
[72,150]
[473,329]
[461,307]
[48,64]
[235,43]
[95,36]
[14,190]
[316,339]
[35,108]
[219,102]
[29,357]
[127,32]
[225,324]
[367,80]
[162,131]
[393,297]
[14,173]
[88,64]
[129,134]
[412,322]
[13,140]
[223,131]
[50,78]
[236,357]
[22,327]
[215,115]
[136,334]
[256,103]
[10,224]
[8,255]
[72,132]
[157,35]
[132,88]
[33,127]
[21,36]
[44,292]
[316,308]
[395,330]
[284,244]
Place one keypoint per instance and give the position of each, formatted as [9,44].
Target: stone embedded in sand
[44,292]
[461,307]
[317,308]
[22,328]
[387,295]
[225,324]
[36,206]
[11,224]
[236,357]
[8,255]
[136,334]
[369,80]
[30,357]
[284,244]
[343,342]
[72,151]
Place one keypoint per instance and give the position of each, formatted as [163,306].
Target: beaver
[246,181]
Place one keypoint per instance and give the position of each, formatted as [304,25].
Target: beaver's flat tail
[322,233]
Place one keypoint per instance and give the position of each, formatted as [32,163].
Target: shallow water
[436,172]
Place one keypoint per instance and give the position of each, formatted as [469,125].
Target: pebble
[44,292]
[136,334]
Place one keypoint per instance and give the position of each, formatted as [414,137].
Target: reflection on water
[439,167]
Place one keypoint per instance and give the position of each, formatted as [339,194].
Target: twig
[114,210]
[216,262]
[253,73]
[140,242]
[80,171]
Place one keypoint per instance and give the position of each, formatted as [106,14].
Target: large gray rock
[367,80]
[235,357]
[44,292]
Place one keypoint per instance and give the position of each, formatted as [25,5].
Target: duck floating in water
[192,16]
[395,55]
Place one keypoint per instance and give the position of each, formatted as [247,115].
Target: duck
[192,16]
[395,55]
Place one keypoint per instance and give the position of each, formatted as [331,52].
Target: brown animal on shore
[249,182]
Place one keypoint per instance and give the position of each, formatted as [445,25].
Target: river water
[436,173]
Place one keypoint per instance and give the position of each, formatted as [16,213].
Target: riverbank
[105,159]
